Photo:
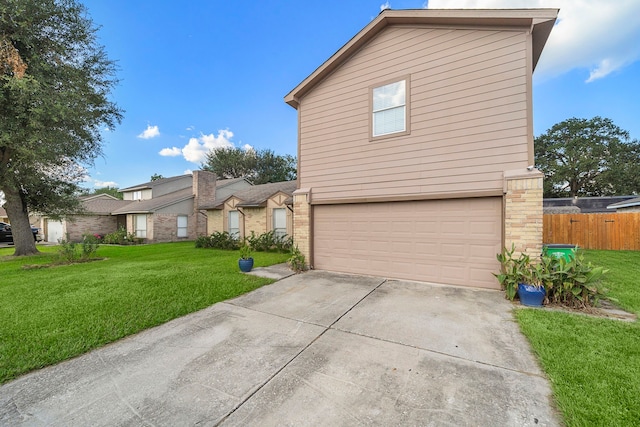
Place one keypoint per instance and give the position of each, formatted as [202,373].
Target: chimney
[204,189]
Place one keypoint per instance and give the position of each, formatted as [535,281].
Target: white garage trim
[443,241]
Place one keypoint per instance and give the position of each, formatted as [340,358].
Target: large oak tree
[581,157]
[55,82]
[260,167]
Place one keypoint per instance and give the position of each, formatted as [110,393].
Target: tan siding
[468,116]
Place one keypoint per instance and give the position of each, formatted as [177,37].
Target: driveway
[312,349]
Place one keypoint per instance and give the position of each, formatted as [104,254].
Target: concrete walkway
[312,349]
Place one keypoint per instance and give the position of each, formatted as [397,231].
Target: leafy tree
[55,80]
[156,176]
[271,167]
[581,157]
[259,167]
[112,191]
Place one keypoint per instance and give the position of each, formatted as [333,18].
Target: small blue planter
[245,264]
[531,296]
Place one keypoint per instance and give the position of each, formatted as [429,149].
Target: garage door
[442,241]
[54,231]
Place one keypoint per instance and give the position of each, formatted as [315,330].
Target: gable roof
[540,21]
[625,204]
[152,205]
[102,204]
[155,183]
[257,195]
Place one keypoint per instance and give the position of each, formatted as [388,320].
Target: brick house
[260,208]
[416,144]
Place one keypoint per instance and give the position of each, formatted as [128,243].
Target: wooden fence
[615,231]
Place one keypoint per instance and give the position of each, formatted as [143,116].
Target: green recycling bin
[560,251]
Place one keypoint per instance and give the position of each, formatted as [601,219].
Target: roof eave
[540,21]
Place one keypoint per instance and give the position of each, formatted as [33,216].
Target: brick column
[523,211]
[302,221]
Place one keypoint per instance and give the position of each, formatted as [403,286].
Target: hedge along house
[172,209]
[259,209]
[415,145]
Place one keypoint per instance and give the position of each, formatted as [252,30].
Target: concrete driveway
[312,349]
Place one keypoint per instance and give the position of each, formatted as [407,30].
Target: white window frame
[182,223]
[279,231]
[140,225]
[378,109]
[137,195]
[233,231]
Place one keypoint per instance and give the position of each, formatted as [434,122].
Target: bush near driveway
[51,314]
[593,364]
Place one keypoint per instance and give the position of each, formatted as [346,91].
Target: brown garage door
[442,241]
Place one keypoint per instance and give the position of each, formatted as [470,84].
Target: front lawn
[52,314]
[593,364]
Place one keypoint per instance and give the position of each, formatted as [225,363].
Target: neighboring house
[171,209]
[97,220]
[260,208]
[629,205]
[415,146]
[583,204]
[164,210]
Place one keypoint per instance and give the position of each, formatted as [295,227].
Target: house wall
[469,104]
[165,228]
[78,225]
[215,221]
[146,194]
[276,202]
[255,219]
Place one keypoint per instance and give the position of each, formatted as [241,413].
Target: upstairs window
[137,195]
[389,109]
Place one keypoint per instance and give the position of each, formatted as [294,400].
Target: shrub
[89,246]
[270,242]
[121,237]
[69,251]
[573,283]
[297,261]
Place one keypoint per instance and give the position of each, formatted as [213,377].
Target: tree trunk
[18,214]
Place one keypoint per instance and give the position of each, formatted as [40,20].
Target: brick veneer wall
[165,228]
[215,221]
[523,211]
[90,224]
[255,219]
[302,221]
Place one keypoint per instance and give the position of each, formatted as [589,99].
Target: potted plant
[522,277]
[246,260]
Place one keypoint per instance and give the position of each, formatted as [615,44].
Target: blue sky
[209,73]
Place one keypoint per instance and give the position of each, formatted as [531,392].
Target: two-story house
[415,151]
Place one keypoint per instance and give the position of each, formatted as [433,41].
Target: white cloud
[150,132]
[594,35]
[103,184]
[188,172]
[385,6]
[247,147]
[170,152]
[190,128]
[197,148]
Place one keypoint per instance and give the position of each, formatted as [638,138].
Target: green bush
[69,251]
[573,283]
[218,240]
[297,261]
[270,242]
[121,237]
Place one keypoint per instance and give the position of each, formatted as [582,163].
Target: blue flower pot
[531,296]
[245,264]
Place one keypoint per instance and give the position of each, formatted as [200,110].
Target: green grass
[51,314]
[593,364]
